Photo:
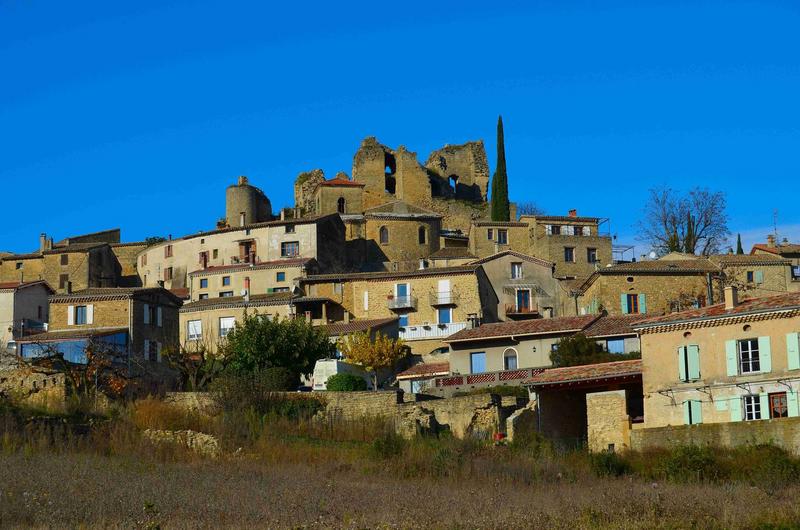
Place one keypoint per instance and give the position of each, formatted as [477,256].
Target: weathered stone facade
[609,426]
[487,238]
[573,243]
[245,204]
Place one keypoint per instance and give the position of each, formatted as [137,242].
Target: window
[422,235]
[516,271]
[340,205]
[554,347]
[18,265]
[510,359]
[615,346]
[280,276]
[587,231]
[194,329]
[502,237]
[490,234]
[555,230]
[168,251]
[203,296]
[778,405]
[631,303]
[403,320]
[215,253]
[151,314]
[749,359]
[477,362]
[150,350]
[338,288]
[80,314]
[226,325]
[65,259]
[226,280]
[144,260]
[569,254]
[226,294]
[578,230]
[280,290]
[692,412]
[752,407]
[444,315]
[568,230]
[383,235]
[289,229]
[750,277]
[202,259]
[290,249]
[63,280]
[591,255]
[204,283]
[689,363]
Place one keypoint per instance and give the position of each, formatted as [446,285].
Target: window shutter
[793,351]
[697,411]
[146,313]
[764,398]
[159,318]
[682,363]
[721,404]
[623,302]
[736,409]
[791,401]
[759,276]
[687,406]
[764,354]
[90,314]
[693,360]
[71,315]
[146,350]
[366,300]
[642,304]
[731,358]
[158,351]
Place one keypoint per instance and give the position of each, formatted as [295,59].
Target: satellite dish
[652,254]
[244,292]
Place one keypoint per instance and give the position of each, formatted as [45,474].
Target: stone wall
[462,171]
[784,432]
[305,186]
[403,244]
[19,270]
[45,388]
[482,245]
[608,421]
[126,254]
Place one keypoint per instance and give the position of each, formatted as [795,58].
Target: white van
[324,368]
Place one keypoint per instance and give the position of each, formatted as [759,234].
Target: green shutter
[764,398]
[731,358]
[791,400]
[693,358]
[623,301]
[736,409]
[721,404]
[687,405]
[642,304]
[697,411]
[793,351]
[764,354]
[682,363]
[759,276]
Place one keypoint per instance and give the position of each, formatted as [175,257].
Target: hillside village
[409,249]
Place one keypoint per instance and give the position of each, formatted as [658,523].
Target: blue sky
[139,115]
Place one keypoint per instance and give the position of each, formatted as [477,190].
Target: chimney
[731,297]
[242,180]
[283,214]
[771,241]
[247,288]
[43,242]
[572,213]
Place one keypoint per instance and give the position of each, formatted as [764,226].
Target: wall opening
[390,167]
[340,205]
[422,235]
[453,181]
[383,235]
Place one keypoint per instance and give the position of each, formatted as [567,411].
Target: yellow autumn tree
[372,354]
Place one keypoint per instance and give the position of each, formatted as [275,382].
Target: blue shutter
[759,276]
[736,409]
[791,401]
[793,351]
[682,363]
[764,399]
[764,354]
[696,407]
[623,301]
[731,358]
[642,304]
[693,359]
[687,405]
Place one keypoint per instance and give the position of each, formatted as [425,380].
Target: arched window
[340,205]
[453,181]
[383,234]
[423,235]
[510,359]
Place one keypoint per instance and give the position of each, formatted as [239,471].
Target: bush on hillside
[345,383]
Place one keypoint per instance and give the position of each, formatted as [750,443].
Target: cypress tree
[739,249]
[500,209]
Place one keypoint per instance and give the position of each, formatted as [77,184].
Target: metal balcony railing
[431,331]
[521,310]
[401,302]
[443,298]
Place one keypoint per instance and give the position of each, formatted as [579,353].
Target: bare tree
[694,222]
[197,362]
[528,208]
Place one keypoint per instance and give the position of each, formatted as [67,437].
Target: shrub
[278,379]
[236,393]
[346,383]
[689,463]
[608,464]
[500,390]
[388,445]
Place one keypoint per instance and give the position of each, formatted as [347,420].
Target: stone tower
[245,204]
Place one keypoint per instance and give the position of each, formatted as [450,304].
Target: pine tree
[500,209]
[739,249]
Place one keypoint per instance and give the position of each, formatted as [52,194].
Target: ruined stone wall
[608,421]
[371,165]
[460,171]
[305,186]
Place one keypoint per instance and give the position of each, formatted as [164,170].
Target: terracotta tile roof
[14,286]
[288,262]
[400,210]
[113,232]
[588,372]
[256,300]
[354,326]
[111,293]
[609,326]
[501,224]
[76,247]
[71,334]
[18,257]
[564,218]
[180,292]
[339,181]
[425,370]
[752,305]
[677,266]
[786,248]
[520,255]
[452,253]
[538,326]
[384,275]
[749,259]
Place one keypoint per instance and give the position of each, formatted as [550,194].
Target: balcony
[401,302]
[431,331]
[513,310]
[443,298]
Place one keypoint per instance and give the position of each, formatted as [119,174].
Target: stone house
[127,257]
[266,277]
[140,322]
[576,245]
[651,287]
[783,250]
[431,303]
[338,195]
[729,362]
[23,309]
[398,235]
[169,263]
[756,275]
[487,238]
[524,287]
[451,257]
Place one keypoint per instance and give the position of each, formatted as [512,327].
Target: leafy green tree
[577,350]
[256,344]
[500,208]
[345,383]
[739,249]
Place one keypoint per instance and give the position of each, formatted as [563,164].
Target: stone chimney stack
[45,243]
[572,213]
[731,297]
[771,241]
